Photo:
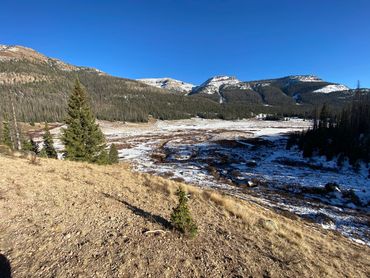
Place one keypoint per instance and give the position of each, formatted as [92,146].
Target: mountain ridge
[40,86]
[213,84]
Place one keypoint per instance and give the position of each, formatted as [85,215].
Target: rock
[323,219]
[17,154]
[268,224]
[251,184]
[352,197]
[331,187]
[251,163]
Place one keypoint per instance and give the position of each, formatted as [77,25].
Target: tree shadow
[5,268]
[156,219]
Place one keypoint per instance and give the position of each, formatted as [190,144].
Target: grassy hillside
[65,219]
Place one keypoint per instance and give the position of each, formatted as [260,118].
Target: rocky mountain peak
[213,84]
[168,83]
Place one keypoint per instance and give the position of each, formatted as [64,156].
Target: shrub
[4,149]
[43,153]
[32,157]
[181,218]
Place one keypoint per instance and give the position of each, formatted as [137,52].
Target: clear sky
[193,40]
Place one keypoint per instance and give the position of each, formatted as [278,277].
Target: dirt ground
[65,219]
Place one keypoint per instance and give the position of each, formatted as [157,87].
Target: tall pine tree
[83,139]
[49,143]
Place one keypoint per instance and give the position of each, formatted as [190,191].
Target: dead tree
[17,143]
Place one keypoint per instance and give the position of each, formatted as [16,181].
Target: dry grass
[65,219]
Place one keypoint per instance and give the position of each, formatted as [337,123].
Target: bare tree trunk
[18,144]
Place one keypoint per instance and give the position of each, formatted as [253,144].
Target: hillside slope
[40,87]
[65,219]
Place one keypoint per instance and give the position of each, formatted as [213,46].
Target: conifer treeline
[127,100]
[345,136]
[83,140]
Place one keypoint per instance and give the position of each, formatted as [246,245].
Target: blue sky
[194,40]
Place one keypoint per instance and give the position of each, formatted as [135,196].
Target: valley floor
[65,219]
[248,159]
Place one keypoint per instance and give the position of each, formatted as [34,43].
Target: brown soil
[65,219]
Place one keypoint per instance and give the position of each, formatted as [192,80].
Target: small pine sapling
[49,143]
[181,218]
[113,154]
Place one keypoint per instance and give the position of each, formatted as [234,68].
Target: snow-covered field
[248,158]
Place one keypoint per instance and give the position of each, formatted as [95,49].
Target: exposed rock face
[11,78]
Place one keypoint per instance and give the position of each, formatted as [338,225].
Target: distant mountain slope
[17,53]
[40,86]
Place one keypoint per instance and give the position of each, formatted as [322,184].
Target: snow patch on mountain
[244,86]
[306,78]
[213,85]
[168,83]
[332,88]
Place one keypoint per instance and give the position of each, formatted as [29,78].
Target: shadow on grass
[5,269]
[157,219]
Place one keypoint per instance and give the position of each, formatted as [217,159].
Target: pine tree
[83,139]
[103,158]
[30,145]
[181,218]
[35,146]
[26,145]
[43,153]
[49,143]
[324,116]
[113,154]
[6,136]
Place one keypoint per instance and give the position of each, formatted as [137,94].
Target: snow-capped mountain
[169,84]
[290,90]
[214,84]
